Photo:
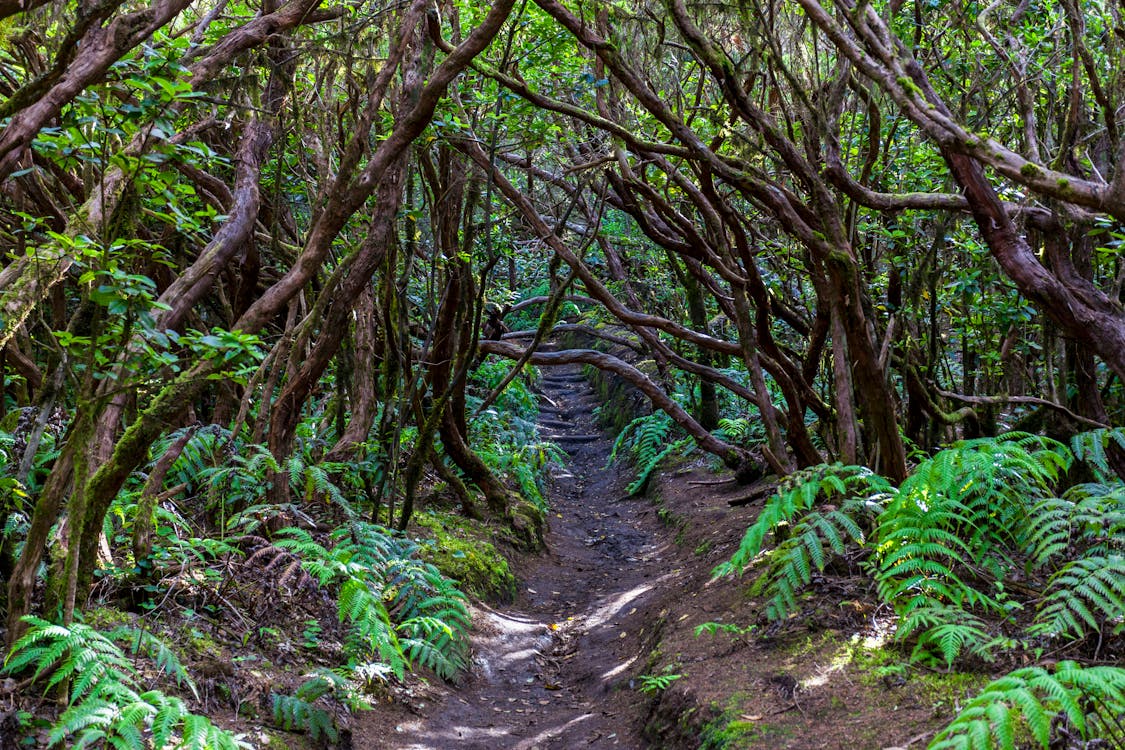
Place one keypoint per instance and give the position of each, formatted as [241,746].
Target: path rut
[553,670]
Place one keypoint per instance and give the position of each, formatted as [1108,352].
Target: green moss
[528,523]
[274,741]
[1030,170]
[732,732]
[910,86]
[460,549]
[946,691]
[106,618]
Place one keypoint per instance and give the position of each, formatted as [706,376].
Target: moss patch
[460,549]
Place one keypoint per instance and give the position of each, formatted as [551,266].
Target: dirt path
[552,671]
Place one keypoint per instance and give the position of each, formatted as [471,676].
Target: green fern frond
[296,715]
[1083,596]
[1029,699]
[144,641]
[105,703]
[742,431]
[816,536]
[645,469]
[947,632]
[796,495]
[1090,447]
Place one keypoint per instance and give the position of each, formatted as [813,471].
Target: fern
[1090,700]
[644,471]
[1083,596]
[372,631]
[647,441]
[958,519]
[106,704]
[1088,518]
[962,514]
[795,496]
[294,714]
[742,431]
[947,632]
[813,538]
[397,607]
[1090,447]
[165,658]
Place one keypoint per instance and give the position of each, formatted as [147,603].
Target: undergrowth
[979,556]
[105,701]
[398,609]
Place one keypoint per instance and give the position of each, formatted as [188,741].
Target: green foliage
[1088,518]
[1091,447]
[525,463]
[300,713]
[397,607]
[806,534]
[144,641]
[945,632]
[711,628]
[647,441]
[1031,701]
[816,534]
[742,431]
[945,542]
[106,703]
[655,683]
[1086,593]
[958,519]
[506,435]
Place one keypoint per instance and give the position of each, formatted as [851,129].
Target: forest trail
[549,669]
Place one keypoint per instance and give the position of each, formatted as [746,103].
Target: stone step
[562,379]
[573,438]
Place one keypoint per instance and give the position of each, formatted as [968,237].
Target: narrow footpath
[554,669]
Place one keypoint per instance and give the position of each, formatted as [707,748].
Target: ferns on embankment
[976,554]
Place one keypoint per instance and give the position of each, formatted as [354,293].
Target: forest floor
[620,594]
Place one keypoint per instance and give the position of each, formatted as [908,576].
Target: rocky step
[565,417]
[557,424]
[573,438]
[563,379]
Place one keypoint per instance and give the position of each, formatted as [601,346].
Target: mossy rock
[529,525]
[460,549]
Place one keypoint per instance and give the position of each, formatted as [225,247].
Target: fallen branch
[577,328]
[1006,400]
